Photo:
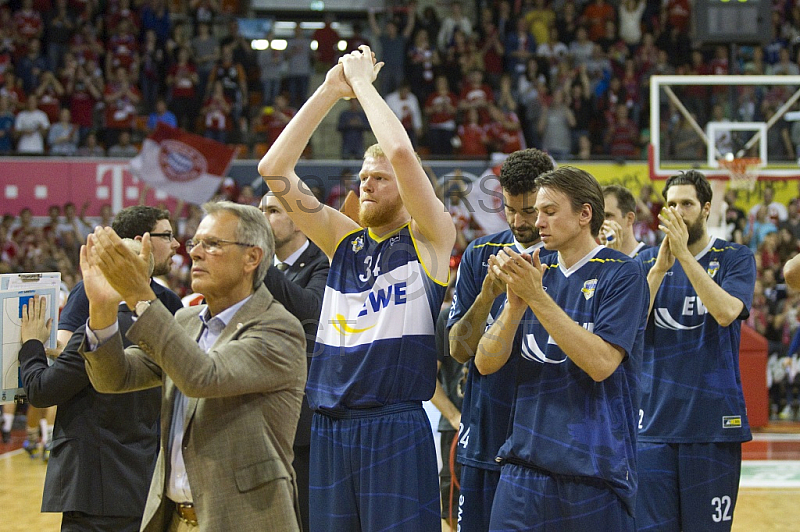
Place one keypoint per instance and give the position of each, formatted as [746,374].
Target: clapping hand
[522,273]
[665,258]
[672,224]
[492,286]
[126,272]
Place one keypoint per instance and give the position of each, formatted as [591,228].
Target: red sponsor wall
[39,183]
[753,369]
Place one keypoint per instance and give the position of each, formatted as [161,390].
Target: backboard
[697,120]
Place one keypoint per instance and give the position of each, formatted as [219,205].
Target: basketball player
[478,299]
[373,461]
[569,462]
[693,419]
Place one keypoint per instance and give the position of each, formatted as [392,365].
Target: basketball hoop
[743,171]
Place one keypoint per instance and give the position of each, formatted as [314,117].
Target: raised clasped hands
[335,79]
[360,65]
[35,324]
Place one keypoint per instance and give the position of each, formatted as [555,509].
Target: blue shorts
[532,500]
[374,470]
[687,486]
[478,487]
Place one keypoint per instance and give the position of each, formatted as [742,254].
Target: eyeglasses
[168,235]
[212,245]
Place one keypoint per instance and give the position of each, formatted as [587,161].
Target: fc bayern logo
[180,162]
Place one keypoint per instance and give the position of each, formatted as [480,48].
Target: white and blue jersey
[486,410]
[691,388]
[565,423]
[375,342]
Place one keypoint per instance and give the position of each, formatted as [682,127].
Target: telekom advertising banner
[39,183]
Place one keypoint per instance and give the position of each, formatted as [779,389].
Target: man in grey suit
[231,371]
[297,279]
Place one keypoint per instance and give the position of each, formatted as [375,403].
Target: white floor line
[770,474]
[776,436]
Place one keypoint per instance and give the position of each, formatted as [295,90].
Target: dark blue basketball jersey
[691,388]
[564,422]
[375,342]
[486,410]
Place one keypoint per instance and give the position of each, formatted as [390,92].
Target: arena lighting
[278,44]
[341,45]
[275,44]
[288,25]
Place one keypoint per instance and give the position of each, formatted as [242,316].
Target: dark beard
[696,231]
[529,241]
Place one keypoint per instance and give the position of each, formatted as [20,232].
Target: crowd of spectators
[83,77]
[469,79]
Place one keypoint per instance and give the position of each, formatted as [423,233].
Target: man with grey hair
[231,371]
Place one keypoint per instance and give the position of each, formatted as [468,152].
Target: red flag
[181,164]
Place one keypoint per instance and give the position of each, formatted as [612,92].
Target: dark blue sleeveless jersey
[564,422]
[486,410]
[375,342]
[691,388]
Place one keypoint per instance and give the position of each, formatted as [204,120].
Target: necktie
[282,266]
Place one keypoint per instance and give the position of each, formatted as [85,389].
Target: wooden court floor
[768,497]
[758,509]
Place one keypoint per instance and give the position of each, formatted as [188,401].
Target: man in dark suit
[297,279]
[104,445]
[231,372]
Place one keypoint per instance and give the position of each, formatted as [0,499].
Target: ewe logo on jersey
[377,300]
[396,305]
[532,351]
[341,325]
[692,306]
[380,299]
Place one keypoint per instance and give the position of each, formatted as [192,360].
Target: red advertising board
[39,183]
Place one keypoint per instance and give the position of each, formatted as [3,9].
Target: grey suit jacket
[244,402]
[300,289]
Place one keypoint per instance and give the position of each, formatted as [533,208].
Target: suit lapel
[300,264]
